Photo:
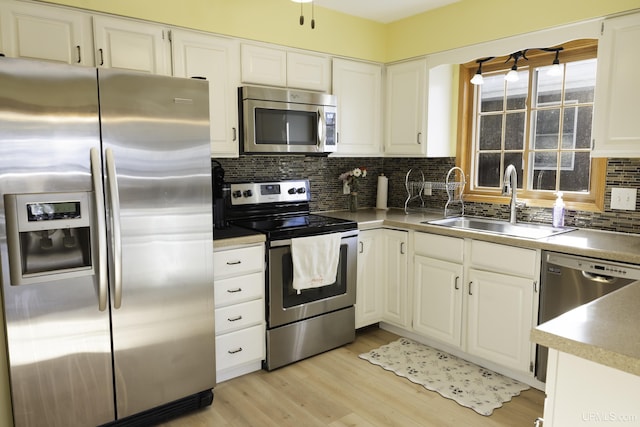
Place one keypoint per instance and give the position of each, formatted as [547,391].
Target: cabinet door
[499,318]
[48,33]
[216,59]
[306,71]
[357,86]
[616,127]
[438,299]
[395,308]
[405,100]
[369,287]
[263,65]
[131,45]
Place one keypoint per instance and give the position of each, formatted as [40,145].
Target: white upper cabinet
[216,59]
[406,132]
[49,33]
[616,128]
[418,110]
[358,86]
[263,65]
[131,45]
[270,66]
[305,71]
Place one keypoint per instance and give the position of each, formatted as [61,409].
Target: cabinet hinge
[531,367]
[602,28]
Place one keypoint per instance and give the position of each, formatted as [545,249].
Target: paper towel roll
[383,188]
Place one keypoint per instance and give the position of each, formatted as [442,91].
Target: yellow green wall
[276,21]
[468,22]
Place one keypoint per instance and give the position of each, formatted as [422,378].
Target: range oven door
[286,305]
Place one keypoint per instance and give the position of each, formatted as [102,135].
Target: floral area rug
[468,384]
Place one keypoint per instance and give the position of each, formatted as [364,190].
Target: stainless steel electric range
[300,323]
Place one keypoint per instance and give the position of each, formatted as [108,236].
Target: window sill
[574,205]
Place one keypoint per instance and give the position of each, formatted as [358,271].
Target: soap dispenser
[558,211]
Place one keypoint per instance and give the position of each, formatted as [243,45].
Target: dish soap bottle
[558,211]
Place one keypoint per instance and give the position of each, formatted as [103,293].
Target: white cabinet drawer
[238,261]
[439,247]
[238,289]
[239,316]
[502,258]
[236,348]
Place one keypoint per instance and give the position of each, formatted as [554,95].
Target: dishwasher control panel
[595,266]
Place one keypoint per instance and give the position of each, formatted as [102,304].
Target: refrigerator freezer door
[157,131]
[58,339]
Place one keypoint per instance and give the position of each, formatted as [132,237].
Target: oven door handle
[287,242]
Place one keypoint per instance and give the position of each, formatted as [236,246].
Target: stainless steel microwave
[286,121]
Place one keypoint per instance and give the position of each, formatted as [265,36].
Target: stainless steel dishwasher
[570,281]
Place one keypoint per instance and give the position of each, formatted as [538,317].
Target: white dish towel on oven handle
[315,260]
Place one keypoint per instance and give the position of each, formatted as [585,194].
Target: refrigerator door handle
[114,200]
[96,178]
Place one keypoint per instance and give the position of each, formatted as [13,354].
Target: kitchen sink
[493,226]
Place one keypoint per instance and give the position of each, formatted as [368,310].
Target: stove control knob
[291,191]
[237,194]
[247,193]
[301,190]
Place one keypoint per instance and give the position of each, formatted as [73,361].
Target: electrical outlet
[346,189]
[427,189]
[623,198]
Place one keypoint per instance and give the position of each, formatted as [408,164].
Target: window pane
[580,81]
[547,123]
[514,159]
[574,171]
[490,132]
[492,93]
[517,91]
[514,131]
[548,87]
[543,178]
[488,170]
[583,127]
[569,128]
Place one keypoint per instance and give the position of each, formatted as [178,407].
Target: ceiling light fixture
[313,20]
[512,75]
[477,77]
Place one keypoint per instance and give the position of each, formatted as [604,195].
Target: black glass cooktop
[284,227]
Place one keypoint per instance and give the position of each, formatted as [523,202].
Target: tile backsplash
[326,188]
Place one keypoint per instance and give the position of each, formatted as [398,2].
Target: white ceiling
[384,11]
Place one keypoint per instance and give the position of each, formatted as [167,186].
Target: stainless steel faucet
[510,185]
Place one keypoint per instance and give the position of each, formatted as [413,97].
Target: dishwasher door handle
[599,278]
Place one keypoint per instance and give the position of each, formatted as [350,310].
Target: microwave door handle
[322,126]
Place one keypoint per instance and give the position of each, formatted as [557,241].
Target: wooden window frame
[592,201]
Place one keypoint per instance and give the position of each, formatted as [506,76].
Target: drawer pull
[238,350]
[234,319]
[234,262]
[233,291]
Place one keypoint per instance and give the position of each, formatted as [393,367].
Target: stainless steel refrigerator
[105,244]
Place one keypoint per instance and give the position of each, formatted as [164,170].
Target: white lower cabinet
[438,299]
[382,286]
[477,296]
[499,318]
[395,307]
[369,285]
[239,310]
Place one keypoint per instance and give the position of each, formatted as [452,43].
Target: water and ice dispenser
[48,236]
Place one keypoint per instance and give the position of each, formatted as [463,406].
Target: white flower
[357,172]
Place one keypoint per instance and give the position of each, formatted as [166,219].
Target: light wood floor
[338,389]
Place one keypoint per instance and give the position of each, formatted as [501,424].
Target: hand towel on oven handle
[315,260]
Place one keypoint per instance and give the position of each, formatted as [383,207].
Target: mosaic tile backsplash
[326,188]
